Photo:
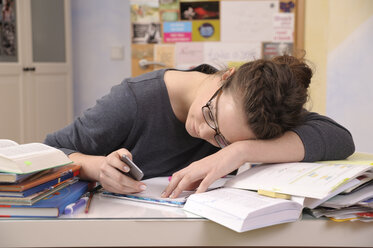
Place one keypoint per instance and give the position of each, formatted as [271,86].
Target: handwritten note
[165,54]
[220,54]
[188,54]
[247,20]
[283,27]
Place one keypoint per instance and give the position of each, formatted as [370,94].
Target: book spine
[47,185]
[20,188]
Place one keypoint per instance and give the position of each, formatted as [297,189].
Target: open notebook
[155,187]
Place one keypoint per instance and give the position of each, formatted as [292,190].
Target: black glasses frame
[212,121]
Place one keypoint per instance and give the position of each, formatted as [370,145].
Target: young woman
[200,125]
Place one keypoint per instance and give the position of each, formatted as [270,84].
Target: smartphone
[135,171]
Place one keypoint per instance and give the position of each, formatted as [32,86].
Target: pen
[74,207]
[91,193]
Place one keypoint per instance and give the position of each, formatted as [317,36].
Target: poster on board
[199,10]
[177,32]
[146,33]
[146,26]
[273,49]
[169,10]
[206,30]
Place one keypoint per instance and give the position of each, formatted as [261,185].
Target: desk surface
[115,222]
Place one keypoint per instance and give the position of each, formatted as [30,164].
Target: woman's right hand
[108,171]
[112,178]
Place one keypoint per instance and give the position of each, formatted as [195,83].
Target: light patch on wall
[100,40]
[350,85]
[345,17]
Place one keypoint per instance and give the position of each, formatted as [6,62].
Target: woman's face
[228,114]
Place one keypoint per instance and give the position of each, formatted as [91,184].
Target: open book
[28,158]
[313,180]
[243,210]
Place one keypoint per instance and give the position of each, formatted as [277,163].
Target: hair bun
[301,71]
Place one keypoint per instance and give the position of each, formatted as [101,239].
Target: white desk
[115,222]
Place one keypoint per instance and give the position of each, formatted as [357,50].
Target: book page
[302,179]
[32,157]
[312,203]
[7,143]
[24,150]
[239,203]
[340,201]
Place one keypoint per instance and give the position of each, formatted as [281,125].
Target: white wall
[338,40]
[350,85]
[97,26]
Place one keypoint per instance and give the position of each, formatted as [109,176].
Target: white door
[48,94]
[11,102]
[44,83]
[11,76]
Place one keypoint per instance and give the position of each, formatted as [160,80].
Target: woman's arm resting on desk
[287,148]
[324,139]
[319,138]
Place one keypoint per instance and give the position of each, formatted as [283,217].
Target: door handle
[29,68]
[144,63]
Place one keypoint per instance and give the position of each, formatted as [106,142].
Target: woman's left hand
[202,173]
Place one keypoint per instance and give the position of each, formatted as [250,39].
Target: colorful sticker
[177,32]
[206,30]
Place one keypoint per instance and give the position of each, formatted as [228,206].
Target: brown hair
[274,92]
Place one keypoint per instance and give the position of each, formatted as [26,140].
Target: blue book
[51,206]
[65,176]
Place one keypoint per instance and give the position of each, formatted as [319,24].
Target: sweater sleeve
[102,128]
[324,139]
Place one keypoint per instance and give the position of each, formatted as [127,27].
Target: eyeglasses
[211,120]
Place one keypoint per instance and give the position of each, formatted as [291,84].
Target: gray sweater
[137,115]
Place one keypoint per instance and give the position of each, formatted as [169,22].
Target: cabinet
[36,75]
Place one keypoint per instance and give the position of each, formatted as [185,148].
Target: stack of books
[353,204]
[36,180]
[270,194]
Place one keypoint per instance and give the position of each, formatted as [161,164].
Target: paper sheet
[164,54]
[247,20]
[188,54]
[283,27]
[219,54]
[155,187]
[302,179]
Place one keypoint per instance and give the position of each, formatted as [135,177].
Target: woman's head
[260,100]
[273,93]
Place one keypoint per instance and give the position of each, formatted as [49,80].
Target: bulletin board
[185,33]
